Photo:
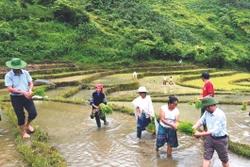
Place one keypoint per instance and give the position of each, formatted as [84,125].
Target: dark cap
[205,75]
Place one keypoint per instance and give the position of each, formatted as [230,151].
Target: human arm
[246,101]
[92,102]
[28,95]
[105,100]
[198,134]
[138,111]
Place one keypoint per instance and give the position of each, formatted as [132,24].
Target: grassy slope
[116,30]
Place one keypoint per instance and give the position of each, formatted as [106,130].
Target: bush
[225,19]
[167,52]
[6,35]
[73,16]
[86,31]
[140,52]
[46,2]
[229,33]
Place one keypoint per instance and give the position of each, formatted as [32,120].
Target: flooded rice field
[81,143]
[76,136]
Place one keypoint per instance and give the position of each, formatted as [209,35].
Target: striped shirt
[216,122]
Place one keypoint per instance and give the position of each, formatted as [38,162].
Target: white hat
[142,89]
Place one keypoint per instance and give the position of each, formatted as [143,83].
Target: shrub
[86,31]
[229,33]
[225,19]
[140,52]
[46,2]
[6,35]
[73,16]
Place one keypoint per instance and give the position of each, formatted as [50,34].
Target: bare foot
[26,136]
[31,129]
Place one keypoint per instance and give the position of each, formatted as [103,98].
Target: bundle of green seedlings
[151,126]
[106,109]
[186,127]
[39,92]
[197,103]
[244,106]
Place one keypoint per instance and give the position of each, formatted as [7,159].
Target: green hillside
[215,33]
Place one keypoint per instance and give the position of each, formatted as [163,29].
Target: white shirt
[145,104]
[169,115]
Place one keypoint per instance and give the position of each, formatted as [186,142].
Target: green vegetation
[197,103]
[40,92]
[122,32]
[106,109]
[40,152]
[186,127]
[239,148]
[244,106]
[37,151]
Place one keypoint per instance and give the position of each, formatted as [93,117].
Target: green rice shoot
[186,127]
[106,109]
[244,106]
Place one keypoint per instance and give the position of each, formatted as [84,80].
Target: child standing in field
[164,80]
[171,80]
[96,99]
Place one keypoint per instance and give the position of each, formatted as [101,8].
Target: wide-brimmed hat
[16,63]
[142,89]
[208,101]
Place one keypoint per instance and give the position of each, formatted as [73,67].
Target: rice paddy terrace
[68,83]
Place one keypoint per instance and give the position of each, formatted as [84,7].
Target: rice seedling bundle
[186,127]
[151,126]
[197,103]
[244,106]
[106,109]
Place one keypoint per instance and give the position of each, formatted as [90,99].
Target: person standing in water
[96,99]
[19,84]
[207,90]
[169,120]
[164,80]
[134,75]
[216,134]
[143,109]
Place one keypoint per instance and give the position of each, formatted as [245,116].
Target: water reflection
[76,136]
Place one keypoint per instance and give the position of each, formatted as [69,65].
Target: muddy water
[9,156]
[76,136]
[83,94]
[55,92]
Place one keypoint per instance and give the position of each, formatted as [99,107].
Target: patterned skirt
[166,136]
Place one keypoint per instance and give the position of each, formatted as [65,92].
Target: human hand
[197,134]
[27,95]
[174,126]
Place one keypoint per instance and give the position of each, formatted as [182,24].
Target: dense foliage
[215,33]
